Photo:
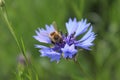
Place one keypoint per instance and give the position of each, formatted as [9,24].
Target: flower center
[65,40]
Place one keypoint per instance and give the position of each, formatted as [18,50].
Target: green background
[101,63]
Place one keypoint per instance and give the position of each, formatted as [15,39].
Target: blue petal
[86,41]
[82,27]
[69,51]
[46,51]
[49,52]
[89,33]
[54,56]
[41,46]
[43,35]
[50,29]
[71,26]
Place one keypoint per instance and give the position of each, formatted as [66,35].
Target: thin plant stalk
[83,71]
[22,47]
[4,13]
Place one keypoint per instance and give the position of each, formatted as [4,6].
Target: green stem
[23,51]
[22,47]
[83,71]
[4,13]
[26,59]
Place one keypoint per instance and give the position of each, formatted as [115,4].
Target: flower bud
[21,59]
[2,3]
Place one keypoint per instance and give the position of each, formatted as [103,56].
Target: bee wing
[54,25]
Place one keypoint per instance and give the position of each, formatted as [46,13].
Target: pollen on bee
[55,37]
[51,34]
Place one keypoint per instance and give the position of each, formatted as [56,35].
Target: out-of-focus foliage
[101,63]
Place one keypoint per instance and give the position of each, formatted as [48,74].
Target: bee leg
[72,35]
[52,42]
[61,32]
[66,34]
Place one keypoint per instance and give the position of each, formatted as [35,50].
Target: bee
[55,36]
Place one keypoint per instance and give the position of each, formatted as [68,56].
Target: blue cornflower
[66,45]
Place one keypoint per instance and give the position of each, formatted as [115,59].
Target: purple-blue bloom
[69,43]
[69,51]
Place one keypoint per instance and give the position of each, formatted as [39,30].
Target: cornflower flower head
[65,45]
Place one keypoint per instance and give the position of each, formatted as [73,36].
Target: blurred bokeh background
[101,63]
